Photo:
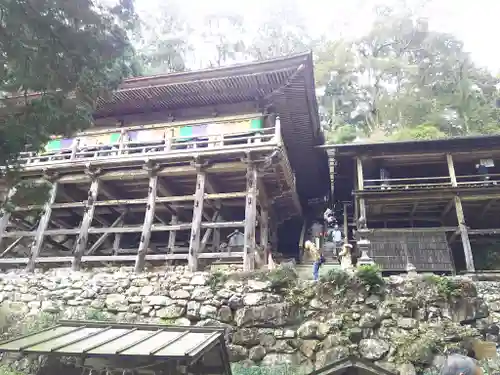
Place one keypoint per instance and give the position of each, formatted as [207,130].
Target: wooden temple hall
[195,167]
[429,203]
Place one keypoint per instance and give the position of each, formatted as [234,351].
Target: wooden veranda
[173,167]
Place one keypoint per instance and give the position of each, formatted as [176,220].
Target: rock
[309,347]
[193,309]
[179,294]
[236,352]
[407,369]
[368,320]
[50,307]
[313,329]
[117,302]
[328,356]
[259,298]
[170,312]
[202,294]
[373,301]
[246,337]
[373,349]
[225,314]
[278,314]
[199,279]
[407,323]
[280,359]
[208,311]
[146,290]
[258,286]
[183,322]
[235,302]
[257,353]
[355,335]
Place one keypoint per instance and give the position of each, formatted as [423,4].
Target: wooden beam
[120,258]
[250,217]
[36,246]
[487,206]
[264,228]
[171,235]
[116,243]
[412,230]
[104,236]
[208,232]
[88,216]
[194,240]
[451,170]
[148,222]
[361,184]
[469,260]
[5,218]
[346,225]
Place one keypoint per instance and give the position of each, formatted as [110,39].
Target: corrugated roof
[103,339]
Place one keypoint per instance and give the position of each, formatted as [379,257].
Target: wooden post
[116,243]
[469,259]
[88,216]
[194,242]
[264,227]
[172,235]
[148,222]
[250,217]
[216,238]
[74,148]
[277,131]
[4,220]
[451,169]
[37,243]
[346,225]
[361,186]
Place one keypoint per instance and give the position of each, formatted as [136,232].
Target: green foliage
[280,278]
[7,370]
[216,280]
[337,277]
[420,132]
[370,277]
[68,52]
[446,286]
[97,315]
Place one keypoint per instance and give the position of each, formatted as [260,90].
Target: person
[345,258]
[316,257]
[385,179]
[457,364]
[337,238]
[316,233]
[329,217]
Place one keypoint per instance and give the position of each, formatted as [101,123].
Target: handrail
[126,146]
[408,179]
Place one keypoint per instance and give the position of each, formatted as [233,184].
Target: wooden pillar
[4,220]
[216,238]
[148,221]
[116,243]
[451,169]
[88,216]
[171,235]
[462,226]
[250,217]
[346,225]
[37,243]
[194,241]
[361,186]
[264,227]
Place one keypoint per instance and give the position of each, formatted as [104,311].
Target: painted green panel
[53,145]
[114,138]
[186,131]
[256,123]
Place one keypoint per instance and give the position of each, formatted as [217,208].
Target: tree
[70,53]
[162,40]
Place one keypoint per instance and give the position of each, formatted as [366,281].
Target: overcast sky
[475,22]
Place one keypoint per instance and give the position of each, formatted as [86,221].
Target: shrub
[285,369]
[216,279]
[98,315]
[280,278]
[370,277]
[338,277]
[446,286]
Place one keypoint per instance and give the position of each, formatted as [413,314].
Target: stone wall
[275,319]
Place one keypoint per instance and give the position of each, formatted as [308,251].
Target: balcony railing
[130,143]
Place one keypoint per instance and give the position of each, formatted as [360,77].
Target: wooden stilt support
[116,243]
[36,246]
[88,216]
[346,225]
[264,228]
[361,186]
[148,222]
[469,259]
[171,235]
[104,236]
[194,242]
[208,232]
[250,217]
[4,220]
[216,238]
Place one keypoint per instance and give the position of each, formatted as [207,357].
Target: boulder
[373,349]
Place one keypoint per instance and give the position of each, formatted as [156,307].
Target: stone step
[305,270]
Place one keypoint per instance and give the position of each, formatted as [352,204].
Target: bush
[216,280]
[446,287]
[370,277]
[280,278]
[338,277]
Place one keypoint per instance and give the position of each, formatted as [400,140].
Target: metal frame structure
[136,347]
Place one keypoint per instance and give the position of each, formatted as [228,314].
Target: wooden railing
[124,146]
[431,182]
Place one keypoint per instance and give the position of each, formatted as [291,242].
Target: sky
[476,22]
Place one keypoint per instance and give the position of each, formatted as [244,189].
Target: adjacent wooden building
[429,203]
[173,167]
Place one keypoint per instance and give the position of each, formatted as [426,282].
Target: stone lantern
[363,243]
